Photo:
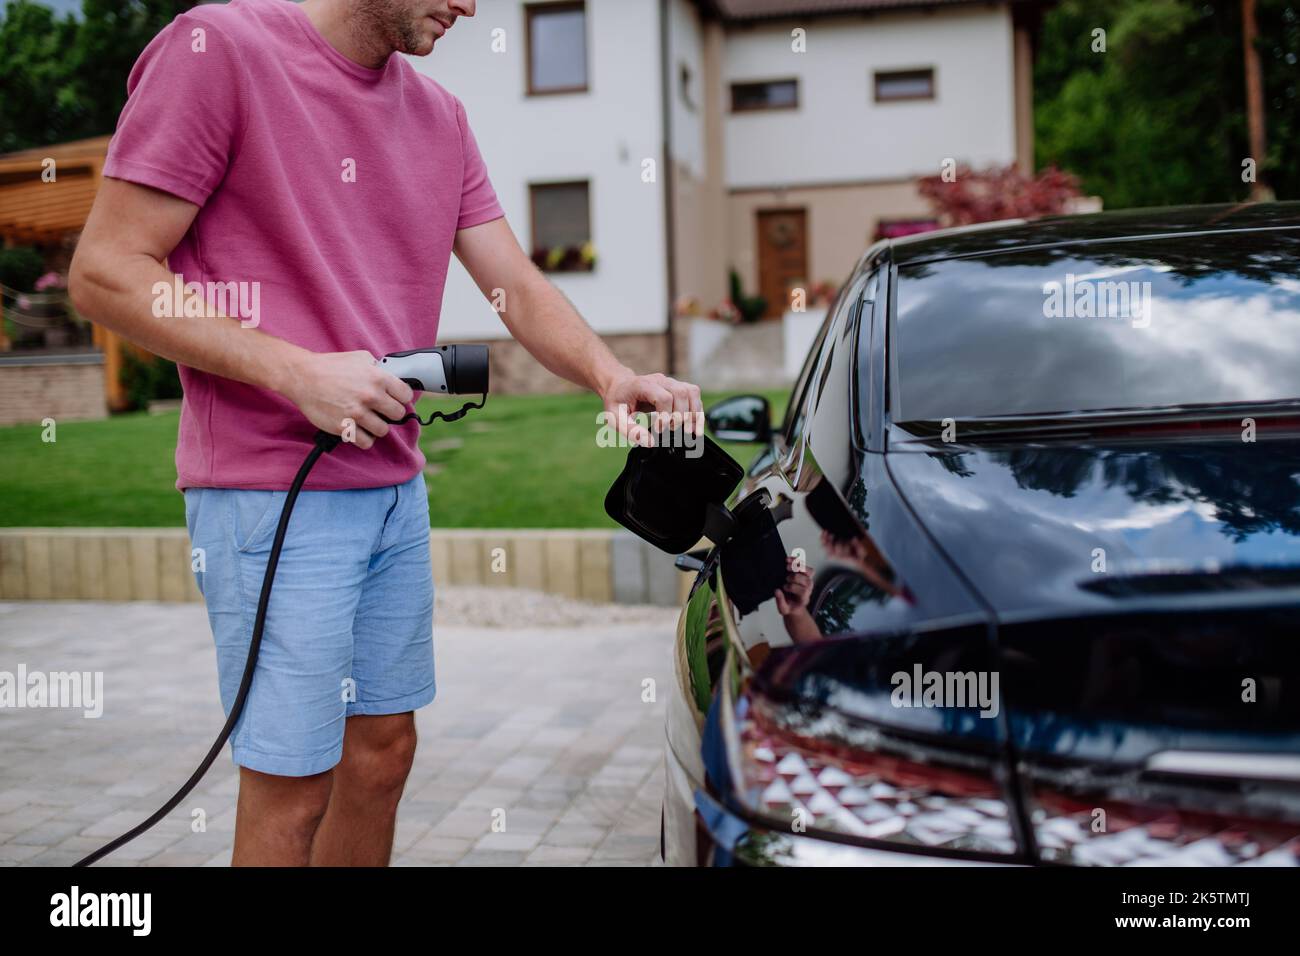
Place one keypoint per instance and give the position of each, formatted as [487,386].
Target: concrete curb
[154,564]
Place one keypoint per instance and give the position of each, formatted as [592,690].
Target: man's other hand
[669,401]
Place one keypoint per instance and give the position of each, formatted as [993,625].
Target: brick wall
[514,372]
[34,388]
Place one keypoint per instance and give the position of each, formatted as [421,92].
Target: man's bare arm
[549,327]
[119,260]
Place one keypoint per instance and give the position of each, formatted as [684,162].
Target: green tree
[1279,49]
[65,79]
[1158,117]
[34,66]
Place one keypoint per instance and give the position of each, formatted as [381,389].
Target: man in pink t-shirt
[280,204]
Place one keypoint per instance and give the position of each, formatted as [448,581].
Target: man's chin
[421,44]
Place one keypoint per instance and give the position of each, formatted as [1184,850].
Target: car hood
[1050,527]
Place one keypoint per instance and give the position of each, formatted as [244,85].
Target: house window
[893,85]
[765,95]
[557,47]
[561,217]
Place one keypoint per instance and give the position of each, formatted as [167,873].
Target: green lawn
[524,461]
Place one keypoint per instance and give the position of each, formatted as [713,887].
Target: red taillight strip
[897,771]
[1069,828]
[837,789]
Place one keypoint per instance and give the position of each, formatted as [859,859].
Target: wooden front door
[782,255]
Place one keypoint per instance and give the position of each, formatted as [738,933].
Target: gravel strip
[465,606]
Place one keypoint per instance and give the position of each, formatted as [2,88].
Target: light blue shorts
[349,629]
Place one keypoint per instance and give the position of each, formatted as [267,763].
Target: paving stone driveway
[545,723]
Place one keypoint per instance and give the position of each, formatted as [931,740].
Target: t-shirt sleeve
[184,113]
[478,200]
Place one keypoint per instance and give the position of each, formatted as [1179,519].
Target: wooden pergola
[37,209]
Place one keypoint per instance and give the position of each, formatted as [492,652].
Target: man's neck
[351,35]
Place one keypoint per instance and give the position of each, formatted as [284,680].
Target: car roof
[1008,235]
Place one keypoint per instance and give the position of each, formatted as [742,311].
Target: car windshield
[1155,323]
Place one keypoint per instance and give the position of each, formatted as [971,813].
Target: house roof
[747,10]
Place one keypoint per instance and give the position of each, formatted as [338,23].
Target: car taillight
[810,766]
[1161,737]
[1106,831]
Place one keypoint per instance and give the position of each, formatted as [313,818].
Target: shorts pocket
[254,516]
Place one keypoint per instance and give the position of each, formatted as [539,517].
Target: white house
[795,128]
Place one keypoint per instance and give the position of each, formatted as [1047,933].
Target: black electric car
[1017,579]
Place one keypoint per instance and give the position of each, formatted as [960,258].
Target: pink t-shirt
[330,196]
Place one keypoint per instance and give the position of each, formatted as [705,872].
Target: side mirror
[744,418]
